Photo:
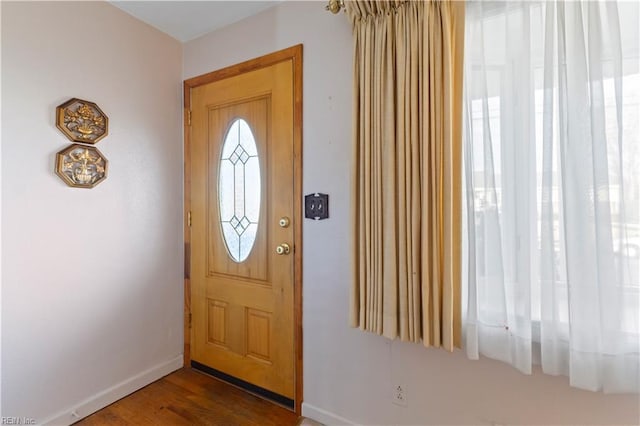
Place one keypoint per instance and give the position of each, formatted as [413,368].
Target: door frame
[294,54]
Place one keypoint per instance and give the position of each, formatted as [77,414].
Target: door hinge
[189,219]
[188,117]
[190,319]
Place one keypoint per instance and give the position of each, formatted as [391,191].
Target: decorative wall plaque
[81,166]
[82,121]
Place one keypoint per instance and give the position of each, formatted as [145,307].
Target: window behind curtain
[510,208]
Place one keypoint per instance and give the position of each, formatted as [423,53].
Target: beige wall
[91,279]
[349,375]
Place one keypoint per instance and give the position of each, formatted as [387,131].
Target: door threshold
[263,393]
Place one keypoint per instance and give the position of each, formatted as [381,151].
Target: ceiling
[186,20]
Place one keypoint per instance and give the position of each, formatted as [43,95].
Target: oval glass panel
[239,190]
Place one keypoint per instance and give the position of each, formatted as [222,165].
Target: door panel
[241,299]
[254,268]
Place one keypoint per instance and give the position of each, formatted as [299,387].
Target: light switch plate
[316,206]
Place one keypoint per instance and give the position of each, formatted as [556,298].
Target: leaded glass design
[239,190]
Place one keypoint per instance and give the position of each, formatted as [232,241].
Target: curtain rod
[334,6]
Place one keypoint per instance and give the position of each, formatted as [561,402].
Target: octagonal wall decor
[82,121]
[81,166]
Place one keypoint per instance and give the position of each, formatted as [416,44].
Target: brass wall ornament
[81,166]
[82,121]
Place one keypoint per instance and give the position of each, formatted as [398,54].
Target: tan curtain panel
[407,138]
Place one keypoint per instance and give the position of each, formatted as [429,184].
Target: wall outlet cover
[399,396]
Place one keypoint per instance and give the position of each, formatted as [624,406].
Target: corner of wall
[109,396]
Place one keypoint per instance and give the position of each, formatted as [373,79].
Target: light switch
[316,206]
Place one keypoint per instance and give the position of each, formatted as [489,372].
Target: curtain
[408,147]
[551,189]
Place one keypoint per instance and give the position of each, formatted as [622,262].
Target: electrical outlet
[400,395]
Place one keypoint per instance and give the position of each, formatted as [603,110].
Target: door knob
[283,249]
[284,222]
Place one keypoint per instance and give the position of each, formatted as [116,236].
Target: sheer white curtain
[552,184]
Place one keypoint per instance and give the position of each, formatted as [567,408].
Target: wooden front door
[245,230]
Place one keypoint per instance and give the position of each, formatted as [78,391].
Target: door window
[239,190]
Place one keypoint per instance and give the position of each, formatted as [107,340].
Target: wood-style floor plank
[188,397]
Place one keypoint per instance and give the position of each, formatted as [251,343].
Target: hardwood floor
[188,397]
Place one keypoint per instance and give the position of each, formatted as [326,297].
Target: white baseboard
[114,393]
[323,416]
